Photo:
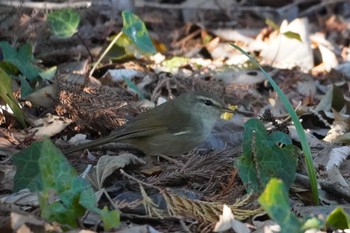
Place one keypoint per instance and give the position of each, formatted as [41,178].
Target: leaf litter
[207,177]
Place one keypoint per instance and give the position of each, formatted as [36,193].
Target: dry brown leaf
[21,223]
[106,165]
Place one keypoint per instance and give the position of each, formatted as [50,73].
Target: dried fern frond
[203,172]
[103,108]
[207,211]
[150,207]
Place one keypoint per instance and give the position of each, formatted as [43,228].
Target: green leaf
[136,30]
[60,179]
[57,211]
[67,208]
[123,48]
[338,219]
[263,158]
[133,86]
[26,89]
[279,137]
[7,95]
[110,218]
[134,38]
[175,62]
[26,162]
[63,23]
[64,196]
[274,200]
[288,34]
[49,73]
[21,59]
[312,223]
[55,170]
[304,142]
[292,35]
[272,24]
[9,68]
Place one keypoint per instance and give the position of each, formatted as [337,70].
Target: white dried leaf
[287,53]
[230,76]
[44,97]
[326,48]
[227,221]
[337,129]
[117,75]
[311,139]
[338,156]
[49,126]
[22,198]
[106,165]
[78,139]
[335,177]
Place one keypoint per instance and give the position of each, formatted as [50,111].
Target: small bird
[174,127]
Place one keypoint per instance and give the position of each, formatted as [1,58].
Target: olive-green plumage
[174,127]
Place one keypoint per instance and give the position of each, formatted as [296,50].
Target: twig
[199,6]
[86,171]
[45,5]
[105,52]
[171,160]
[184,227]
[84,44]
[234,7]
[334,188]
[319,6]
[110,200]
[239,8]
[188,37]
[137,180]
[147,219]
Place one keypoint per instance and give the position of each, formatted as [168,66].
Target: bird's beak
[229,109]
[227,112]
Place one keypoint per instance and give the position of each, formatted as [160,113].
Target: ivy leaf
[136,30]
[110,218]
[263,157]
[21,59]
[28,174]
[64,196]
[26,89]
[274,200]
[63,23]
[133,86]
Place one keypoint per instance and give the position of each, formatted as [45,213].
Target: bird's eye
[208,103]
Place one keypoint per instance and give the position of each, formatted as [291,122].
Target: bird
[174,127]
